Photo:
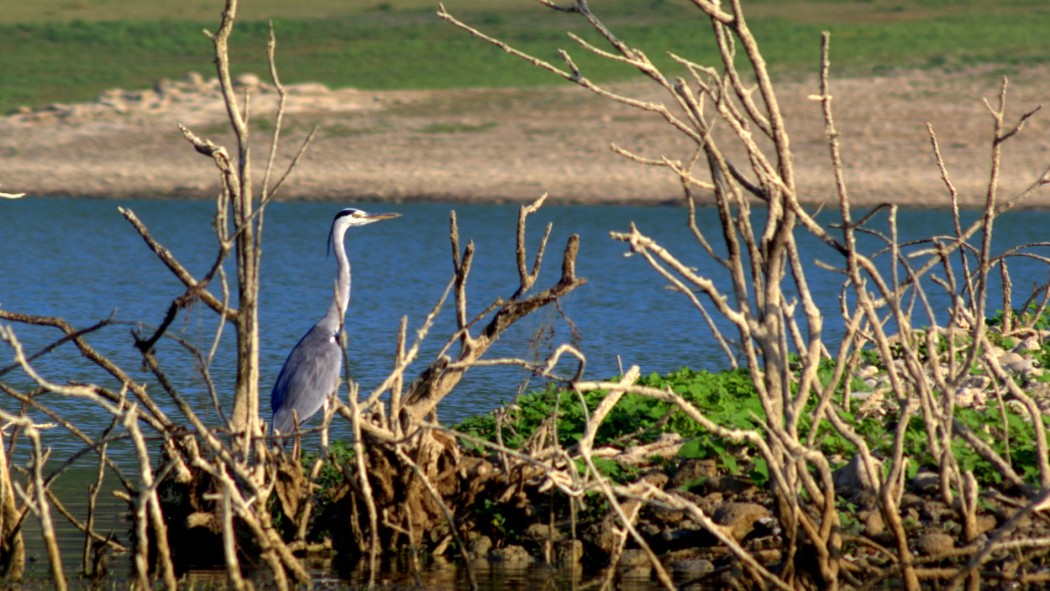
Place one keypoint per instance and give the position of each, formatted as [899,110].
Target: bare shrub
[732,108]
[213,495]
[410,481]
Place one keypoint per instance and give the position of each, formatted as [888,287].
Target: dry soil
[516,144]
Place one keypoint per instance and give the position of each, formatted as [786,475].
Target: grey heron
[311,371]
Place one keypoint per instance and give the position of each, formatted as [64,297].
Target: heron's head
[351,217]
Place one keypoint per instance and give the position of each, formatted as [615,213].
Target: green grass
[74,50]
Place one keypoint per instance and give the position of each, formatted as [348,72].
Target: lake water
[78,259]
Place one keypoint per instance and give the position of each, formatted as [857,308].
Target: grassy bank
[401,44]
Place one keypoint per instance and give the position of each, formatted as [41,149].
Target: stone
[510,555]
[970,398]
[926,481]
[874,524]
[309,88]
[937,511]
[935,542]
[693,471]
[1029,344]
[979,381]
[853,479]
[194,79]
[986,523]
[729,484]
[867,371]
[691,568]
[479,545]
[541,533]
[738,519]
[1016,363]
[666,516]
[247,80]
[568,553]
[163,86]
[633,558]
[634,564]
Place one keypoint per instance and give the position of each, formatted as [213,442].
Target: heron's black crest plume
[342,213]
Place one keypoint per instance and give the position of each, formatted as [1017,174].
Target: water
[78,259]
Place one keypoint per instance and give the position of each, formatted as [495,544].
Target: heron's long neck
[342,280]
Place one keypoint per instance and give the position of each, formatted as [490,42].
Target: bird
[311,371]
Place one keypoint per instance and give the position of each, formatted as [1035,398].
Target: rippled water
[78,259]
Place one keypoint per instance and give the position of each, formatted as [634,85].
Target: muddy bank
[492,145]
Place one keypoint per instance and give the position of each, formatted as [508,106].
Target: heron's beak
[375,217]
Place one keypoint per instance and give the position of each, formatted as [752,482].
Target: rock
[479,545]
[194,80]
[437,533]
[310,88]
[634,563]
[163,86]
[935,542]
[937,511]
[729,484]
[852,479]
[691,568]
[874,524]
[986,523]
[541,533]
[247,80]
[568,553]
[980,381]
[666,516]
[1016,363]
[926,481]
[867,371]
[634,557]
[601,535]
[510,555]
[738,519]
[657,478]
[690,472]
[970,398]
[1029,344]
[688,534]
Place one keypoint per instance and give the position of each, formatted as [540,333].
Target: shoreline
[513,145]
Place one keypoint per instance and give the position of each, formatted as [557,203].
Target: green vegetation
[729,399]
[401,44]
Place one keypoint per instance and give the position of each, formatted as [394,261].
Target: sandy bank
[513,145]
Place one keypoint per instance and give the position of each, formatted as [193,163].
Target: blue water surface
[80,260]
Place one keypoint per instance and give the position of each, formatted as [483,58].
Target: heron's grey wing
[308,376]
